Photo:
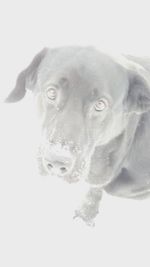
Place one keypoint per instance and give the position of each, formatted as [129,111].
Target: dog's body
[95,113]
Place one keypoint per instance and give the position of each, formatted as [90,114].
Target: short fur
[110,149]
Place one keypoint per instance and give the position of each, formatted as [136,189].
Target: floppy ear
[138,96]
[27,78]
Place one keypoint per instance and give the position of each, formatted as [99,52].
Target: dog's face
[84,98]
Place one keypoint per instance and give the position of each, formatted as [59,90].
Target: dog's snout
[58,161]
[58,167]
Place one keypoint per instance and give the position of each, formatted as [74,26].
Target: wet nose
[58,165]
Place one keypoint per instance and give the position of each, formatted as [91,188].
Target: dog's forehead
[85,68]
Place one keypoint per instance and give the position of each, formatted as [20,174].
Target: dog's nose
[58,163]
[58,167]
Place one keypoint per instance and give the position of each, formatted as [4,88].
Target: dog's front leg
[90,206]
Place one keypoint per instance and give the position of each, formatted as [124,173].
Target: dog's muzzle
[58,160]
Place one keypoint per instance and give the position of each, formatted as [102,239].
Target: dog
[95,120]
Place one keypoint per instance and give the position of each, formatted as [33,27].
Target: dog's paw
[87,214]
[80,218]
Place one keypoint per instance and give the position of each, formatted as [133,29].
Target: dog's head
[85,98]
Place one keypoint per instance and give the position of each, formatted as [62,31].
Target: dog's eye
[101,104]
[51,93]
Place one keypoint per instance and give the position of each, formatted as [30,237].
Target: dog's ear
[27,78]
[138,95]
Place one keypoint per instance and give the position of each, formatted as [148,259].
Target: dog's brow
[94,94]
[64,82]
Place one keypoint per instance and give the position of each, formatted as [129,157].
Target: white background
[36,225]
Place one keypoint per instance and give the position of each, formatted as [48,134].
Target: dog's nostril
[63,169]
[50,166]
